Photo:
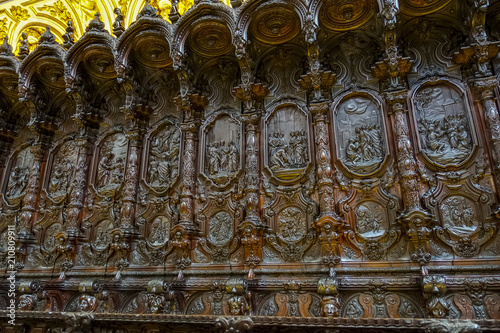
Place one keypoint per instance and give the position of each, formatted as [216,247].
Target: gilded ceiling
[33,16]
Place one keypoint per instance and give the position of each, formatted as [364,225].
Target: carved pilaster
[131,180]
[328,223]
[30,199]
[251,238]
[79,184]
[188,175]
[415,220]
[484,89]
[252,121]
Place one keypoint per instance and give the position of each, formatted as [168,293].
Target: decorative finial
[24,47]
[69,36]
[96,24]
[5,48]
[148,11]
[118,26]
[47,37]
[174,15]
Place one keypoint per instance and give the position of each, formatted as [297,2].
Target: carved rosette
[421,7]
[275,24]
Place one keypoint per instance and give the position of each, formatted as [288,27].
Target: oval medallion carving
[371,220]
[459,215]
[159,231]
[163,166]
[287,142]
[361,143]
[19,173]
[342,15]
[220,228]
[102,236]
[50,241]
[443,125]
[291,224]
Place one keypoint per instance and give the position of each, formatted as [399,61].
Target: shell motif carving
[19,174]
[221,228]
[360,135]
[443,125]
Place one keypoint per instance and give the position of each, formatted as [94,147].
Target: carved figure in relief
[59,181]
[222,157]
[291,224]
[164,158]
[17,181]
[285,155]
[158,233]
[459,215]
[366,146]
[370,220]
[443,125]
[221,228]
[102,238]
[359,129]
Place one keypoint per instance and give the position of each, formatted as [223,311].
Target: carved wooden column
[190,130]
[415,220]
[252,121]
[484,88]
[79,185]
[131,180]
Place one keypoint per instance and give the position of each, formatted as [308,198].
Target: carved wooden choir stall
[296,166]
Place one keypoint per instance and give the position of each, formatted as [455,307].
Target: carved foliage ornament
[360,135]
[443,125]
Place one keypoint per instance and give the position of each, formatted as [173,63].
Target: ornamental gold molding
[18,17]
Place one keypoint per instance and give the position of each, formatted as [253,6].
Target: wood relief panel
[256,167]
